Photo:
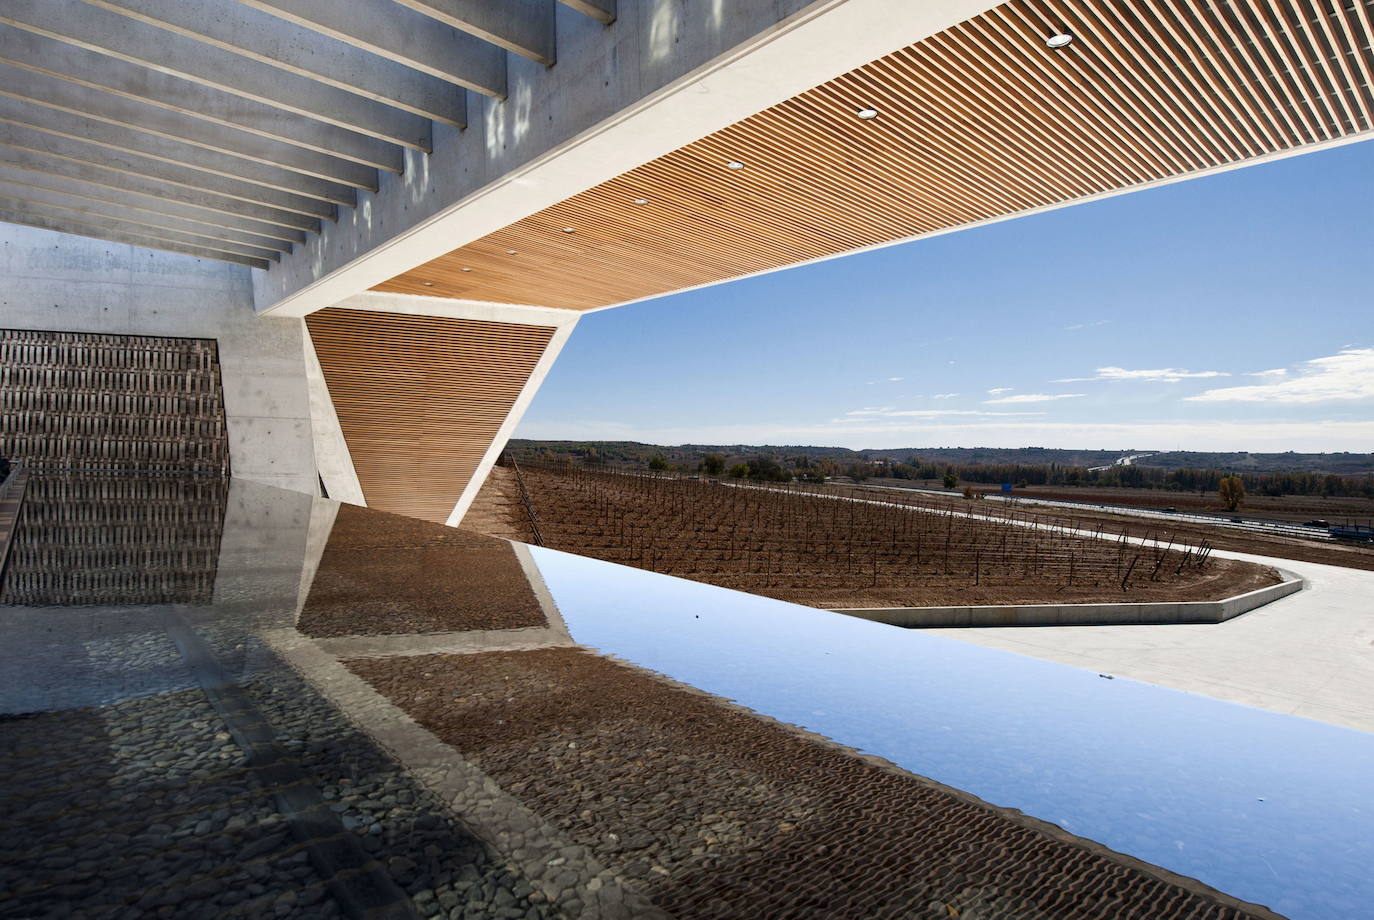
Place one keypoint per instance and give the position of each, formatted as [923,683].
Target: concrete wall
[57,281]
[1079,614]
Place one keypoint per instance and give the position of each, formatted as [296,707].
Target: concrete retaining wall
[1081,614]
[65,283]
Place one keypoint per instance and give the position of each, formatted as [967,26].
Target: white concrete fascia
[333,460]
[486,311]
[1100,196]
[517,411]
[820,42]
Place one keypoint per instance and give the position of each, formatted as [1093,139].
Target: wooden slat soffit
[420,398]
[980,121]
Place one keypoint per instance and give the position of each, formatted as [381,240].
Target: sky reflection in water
[1273,809]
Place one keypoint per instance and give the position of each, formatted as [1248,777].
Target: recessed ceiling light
[734,164]
[867,113]
[427,283]
[641,201]
[1059,40]
[569,230]
[467,269]
[511,252]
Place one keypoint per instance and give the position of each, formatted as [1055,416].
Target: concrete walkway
[1310,654]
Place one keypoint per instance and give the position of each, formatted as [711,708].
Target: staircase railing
[530,513]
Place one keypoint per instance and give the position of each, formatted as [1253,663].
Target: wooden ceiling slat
[1338,51]
[1275,69]
[1230,73]
[1280,32]
[1156,75]
[946,49]
[420,398]
[1358,46]
[1070,107]
[978,122]
[1177,145]
[1022,138]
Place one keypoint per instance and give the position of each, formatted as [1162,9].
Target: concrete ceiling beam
[602,10]
[119,225]
[401,35]
[140,205]
[175,153]
[62,59]
[121,112]
[81,228]
[91,174]
[233,27]
[525,27]
[130,164]
[106,210]
[126,39]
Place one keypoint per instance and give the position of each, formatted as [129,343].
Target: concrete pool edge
[1157,613]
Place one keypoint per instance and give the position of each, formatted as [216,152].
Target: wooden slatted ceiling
[420,398]
[979,121]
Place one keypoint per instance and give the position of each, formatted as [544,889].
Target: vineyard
[812,545]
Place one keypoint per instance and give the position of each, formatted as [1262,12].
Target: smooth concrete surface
[1078,614]
[57,281]
[1310,654]
[332,457]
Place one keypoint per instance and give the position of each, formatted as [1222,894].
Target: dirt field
[810,549]
[1326,552]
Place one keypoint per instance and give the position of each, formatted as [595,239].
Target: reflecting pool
[1274,809]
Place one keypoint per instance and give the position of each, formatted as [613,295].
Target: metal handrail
[525,500]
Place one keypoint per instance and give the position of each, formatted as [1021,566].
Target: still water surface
[1273,809]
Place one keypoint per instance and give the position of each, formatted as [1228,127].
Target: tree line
[809,467]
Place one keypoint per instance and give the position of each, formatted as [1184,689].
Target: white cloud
[944,395]
[1101,322]
[1276,372]
[996,391]
[1158,375]
[1032,398]
[863,415]
[895,379]
[1349,374]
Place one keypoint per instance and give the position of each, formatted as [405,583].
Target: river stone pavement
[147,807]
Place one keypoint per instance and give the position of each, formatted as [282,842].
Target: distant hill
[635,452]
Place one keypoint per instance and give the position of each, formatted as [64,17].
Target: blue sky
[1231,312]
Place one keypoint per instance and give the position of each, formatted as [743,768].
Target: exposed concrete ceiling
[230,129]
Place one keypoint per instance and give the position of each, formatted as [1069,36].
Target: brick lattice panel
[82,401]
[125,436]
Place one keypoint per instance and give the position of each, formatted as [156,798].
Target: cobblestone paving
[147,807]
[718,813]
[427,852]
[143,808]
